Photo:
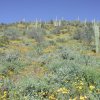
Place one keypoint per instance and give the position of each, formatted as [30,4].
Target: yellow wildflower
[80,87]
[85,97]
[4,95]
[10,72]
[44,93]
[63,90]
[59,90]
[75,83]
[81,83]
[52,97]
[82,98]
[92,87]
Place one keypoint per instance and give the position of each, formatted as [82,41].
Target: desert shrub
[4,41]
[64,22]
[73,56]
[51,22]
[24,33]
[43,25]
[56,30]
[12,60]
[37,34]
[73,73]
[85,34]
[77,34]
[34,88]
[12,34]
[61,40]
[66,30]
[10,56]
[5,87]
[76,23]
[38,49]
[52,42]
[67,54]
[90,76]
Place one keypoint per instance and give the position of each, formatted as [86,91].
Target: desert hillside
[54,60]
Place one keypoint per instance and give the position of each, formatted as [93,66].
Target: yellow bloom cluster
[79,98]
[83,97]
[79,85]
[52,97]
[4,95]
[63,90]
[10,72]
[44,93]
[91,87]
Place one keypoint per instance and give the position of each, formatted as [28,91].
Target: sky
[16,10]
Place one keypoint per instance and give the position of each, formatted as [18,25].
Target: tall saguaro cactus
[56,22]
[97,34]
[36,23]
[85,22]
[40,23]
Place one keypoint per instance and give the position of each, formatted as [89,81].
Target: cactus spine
[96,31]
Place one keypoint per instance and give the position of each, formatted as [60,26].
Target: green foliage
[12,33]
[4,41]
[43,25]
[85,34]
[56,30]
[61,40]
[37,34]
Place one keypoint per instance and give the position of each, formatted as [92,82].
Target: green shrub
[56,30]
[52,42]
[85,34]
[37,34]
[12,33]
[61,40]
[4,41]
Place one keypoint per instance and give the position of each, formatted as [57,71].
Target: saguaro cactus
[96,31]
[36,23]
[59,23]
[85,22]
[40,23]
[56,22]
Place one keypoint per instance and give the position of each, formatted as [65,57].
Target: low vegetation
[48,62]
